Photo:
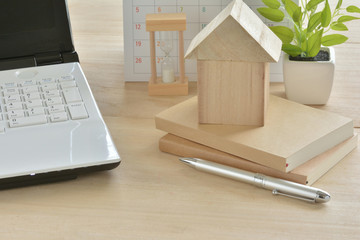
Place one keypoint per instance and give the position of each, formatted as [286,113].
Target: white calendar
[198,12]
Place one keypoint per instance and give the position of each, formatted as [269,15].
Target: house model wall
[233,53]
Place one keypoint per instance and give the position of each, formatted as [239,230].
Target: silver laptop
[50,126]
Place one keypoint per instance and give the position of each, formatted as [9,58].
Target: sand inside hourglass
[167,66]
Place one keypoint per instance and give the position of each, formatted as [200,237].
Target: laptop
[50,126]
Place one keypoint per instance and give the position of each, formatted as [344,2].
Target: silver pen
[278,186]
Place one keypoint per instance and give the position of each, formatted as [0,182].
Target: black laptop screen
[30,27]
[26,18]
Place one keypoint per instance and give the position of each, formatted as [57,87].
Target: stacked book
[297,143]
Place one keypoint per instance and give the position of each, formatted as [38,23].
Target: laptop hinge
[39,60]
[48,58]
[55,58]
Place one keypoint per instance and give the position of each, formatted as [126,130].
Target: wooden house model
[233,53]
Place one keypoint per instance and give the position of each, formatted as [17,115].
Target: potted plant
[309,62]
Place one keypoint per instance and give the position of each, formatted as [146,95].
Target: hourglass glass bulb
[167,66]
[166,41]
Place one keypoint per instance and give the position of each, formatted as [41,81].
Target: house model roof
[236,34]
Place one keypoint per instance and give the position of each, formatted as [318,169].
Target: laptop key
[67,77]
[51,93]
[36,111]
[27,121]
[72,95]
[28,83]
[11,91]
[56,108]
[58,117]
[53,101]
[34,103]
[32,96]
[9,85]
[14,106]
[49,86]
[30,89]
[47,80]
[16,114]
[68,84]
[12,98]
[78,111]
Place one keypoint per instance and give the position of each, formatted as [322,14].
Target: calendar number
[137,45]
[138,60]
[159,59]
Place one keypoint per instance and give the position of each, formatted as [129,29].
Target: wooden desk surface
[153,196]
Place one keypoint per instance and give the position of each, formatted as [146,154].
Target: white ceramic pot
[309,82]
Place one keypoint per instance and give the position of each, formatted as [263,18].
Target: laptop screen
[30,27]
[26,18]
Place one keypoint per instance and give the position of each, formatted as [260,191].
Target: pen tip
[188,161]
[323,197]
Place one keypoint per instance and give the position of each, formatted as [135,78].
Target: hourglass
[167,83]
[167,66]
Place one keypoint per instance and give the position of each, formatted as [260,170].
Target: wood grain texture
[181,57]
[292,135]
[307,173]
[152,58]
[166,22]
[238,34]
[232,92]
[178,88]
[151,195]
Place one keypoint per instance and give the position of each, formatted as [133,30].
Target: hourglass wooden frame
[167,22]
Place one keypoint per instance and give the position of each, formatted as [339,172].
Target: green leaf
[339,4]
[300,37]
[290,7]
[313,3]
[274,15]
[314,21]
[339,27]
[326,15]
[292,50]
[314,44]
[297,16]
[313,10]
[333,39]
[301,40]
[297,35]
[303,45]
[303,36]
[284,33]
[347,18]
[272,3]
[353,9]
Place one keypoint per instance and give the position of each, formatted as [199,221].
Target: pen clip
[277,192]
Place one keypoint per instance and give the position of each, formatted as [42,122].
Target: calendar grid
[137,46]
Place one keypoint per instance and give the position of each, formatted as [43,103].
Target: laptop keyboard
[40,101]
